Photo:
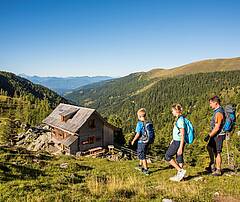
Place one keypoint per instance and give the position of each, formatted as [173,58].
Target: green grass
[27,176]
[3,98]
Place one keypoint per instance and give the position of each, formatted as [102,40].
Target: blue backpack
[230,118]
[189,131]
[149,134]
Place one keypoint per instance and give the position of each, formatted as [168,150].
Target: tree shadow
[205,173]
[85,168]
[4,168]
[199,174]
[227,170]
[4,148]
[13,171]
[160,169]
[125,193]
[44,156]
[76,179]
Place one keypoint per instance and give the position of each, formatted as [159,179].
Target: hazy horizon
[113,76]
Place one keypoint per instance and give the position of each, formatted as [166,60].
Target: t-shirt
[178,125]
[140,130]
[219,118]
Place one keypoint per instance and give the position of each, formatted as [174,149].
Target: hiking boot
[180,175]
[146,172]
[185,176]
[210,169]
[217,173]
[174,178]
[139,167]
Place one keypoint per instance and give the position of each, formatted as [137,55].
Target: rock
[64,165]
[35,138]
[20,136]
[198,179]
[167,200]
[35,160]
[40,143]
[25,126]
[79,154]
[46,127]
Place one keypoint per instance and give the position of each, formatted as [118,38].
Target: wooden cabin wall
[59,134]
[74,148]
[86,133]
[108,135]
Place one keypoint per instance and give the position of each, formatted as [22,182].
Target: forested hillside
[17,86]
[120,99]
[22,102]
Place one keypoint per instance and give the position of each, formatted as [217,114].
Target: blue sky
[114,37]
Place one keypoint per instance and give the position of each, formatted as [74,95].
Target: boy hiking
[141,146]
[215,137]
[177,144]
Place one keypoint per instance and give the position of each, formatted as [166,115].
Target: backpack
[149,134]
[230,118]
[189,134]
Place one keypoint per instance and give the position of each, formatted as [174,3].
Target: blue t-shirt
[176,132]
[140,130]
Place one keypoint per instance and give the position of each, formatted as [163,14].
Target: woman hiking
[176,146]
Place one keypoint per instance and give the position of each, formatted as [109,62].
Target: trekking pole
[228,156]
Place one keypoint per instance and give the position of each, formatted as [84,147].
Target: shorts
[142,150]
[217,143]
[172,150]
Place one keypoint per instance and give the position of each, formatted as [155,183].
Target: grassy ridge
[204,66]
[27,176]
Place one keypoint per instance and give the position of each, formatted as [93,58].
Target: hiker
[176,146]
[141,147]
[216,137]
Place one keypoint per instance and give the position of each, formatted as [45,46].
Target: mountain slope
[113,90]
[16,85]
[120,99]
[204,66]
[106,94]
[21,101]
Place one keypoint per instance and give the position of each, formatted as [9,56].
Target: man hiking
[216,137]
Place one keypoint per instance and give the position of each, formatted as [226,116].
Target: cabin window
[89,140]
[92,124]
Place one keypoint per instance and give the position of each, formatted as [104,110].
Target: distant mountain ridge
[62,85]
[24,101]
[16,85]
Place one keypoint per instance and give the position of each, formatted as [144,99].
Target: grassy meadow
[28,176]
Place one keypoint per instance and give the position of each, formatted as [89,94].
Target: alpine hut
[78,129]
